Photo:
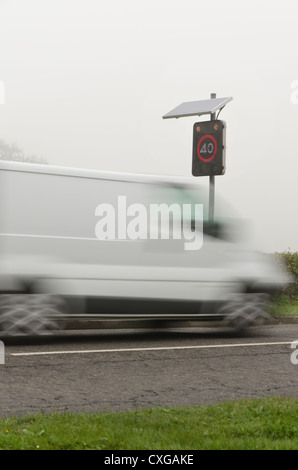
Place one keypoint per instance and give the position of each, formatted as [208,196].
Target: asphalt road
[125,369]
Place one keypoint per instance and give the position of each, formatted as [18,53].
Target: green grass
[250,424]
[282,307]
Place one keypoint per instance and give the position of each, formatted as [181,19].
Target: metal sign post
[211,181]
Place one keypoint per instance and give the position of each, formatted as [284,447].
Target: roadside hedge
[290,262]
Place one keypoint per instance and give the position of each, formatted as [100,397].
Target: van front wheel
[245,310]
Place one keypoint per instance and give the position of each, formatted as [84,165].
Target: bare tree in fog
[12,152]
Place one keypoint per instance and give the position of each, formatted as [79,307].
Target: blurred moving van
[64,255]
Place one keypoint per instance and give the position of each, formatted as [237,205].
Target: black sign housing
[208,148]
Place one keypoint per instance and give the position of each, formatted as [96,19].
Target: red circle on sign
[215,148]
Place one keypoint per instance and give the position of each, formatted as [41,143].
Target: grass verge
[282,307]
[249,424]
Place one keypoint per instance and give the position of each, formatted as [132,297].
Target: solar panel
[197,108]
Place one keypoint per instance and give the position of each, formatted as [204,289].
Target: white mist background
[87,83]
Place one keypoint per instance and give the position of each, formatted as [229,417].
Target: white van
[53,263]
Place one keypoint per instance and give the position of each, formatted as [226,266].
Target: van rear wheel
[30,314]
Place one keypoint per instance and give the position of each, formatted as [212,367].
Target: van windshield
[224,219]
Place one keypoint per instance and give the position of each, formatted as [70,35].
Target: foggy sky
[88,81]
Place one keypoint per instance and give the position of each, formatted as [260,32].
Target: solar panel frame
[197,108]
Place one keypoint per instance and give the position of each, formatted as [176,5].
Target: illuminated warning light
[208,148]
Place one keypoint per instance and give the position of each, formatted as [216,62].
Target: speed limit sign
[208,148]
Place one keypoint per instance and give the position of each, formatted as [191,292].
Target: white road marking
[167,348]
